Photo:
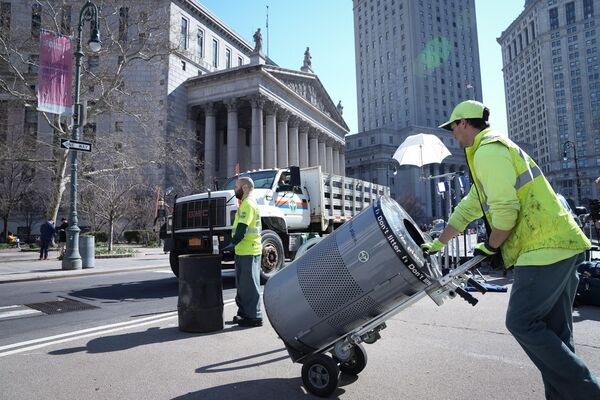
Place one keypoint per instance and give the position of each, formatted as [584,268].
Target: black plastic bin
[200,303]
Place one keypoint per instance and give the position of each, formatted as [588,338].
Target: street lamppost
[571,145]
[89,12]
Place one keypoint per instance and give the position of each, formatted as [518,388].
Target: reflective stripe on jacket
[542,222]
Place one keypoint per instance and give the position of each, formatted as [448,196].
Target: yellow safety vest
[542,222]
[251,243]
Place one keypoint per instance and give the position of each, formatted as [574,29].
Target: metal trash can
[365,267]
[87,250]
[200,303]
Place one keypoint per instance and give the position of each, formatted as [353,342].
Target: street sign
[76,145]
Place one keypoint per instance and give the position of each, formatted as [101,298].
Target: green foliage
[139,236]
[100,236]
[116,250]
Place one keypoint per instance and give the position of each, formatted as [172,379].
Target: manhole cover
[61,306]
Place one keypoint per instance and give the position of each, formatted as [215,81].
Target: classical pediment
[310,88]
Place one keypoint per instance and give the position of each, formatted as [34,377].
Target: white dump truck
[293,204]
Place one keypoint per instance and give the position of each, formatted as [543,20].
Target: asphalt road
[130,347]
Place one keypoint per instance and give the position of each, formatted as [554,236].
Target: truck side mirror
[295,177]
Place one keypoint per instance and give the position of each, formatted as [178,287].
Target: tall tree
[134,39]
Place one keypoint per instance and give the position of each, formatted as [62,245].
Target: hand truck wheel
[356,363]
[320,375]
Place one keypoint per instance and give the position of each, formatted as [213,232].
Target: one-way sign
[76,145]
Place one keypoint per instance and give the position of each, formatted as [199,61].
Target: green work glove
[433,247]
[484,249]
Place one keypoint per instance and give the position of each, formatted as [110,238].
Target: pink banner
[55,76]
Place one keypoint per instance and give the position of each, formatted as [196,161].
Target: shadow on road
[279,388]
[126,341]
[141,290]
[223,366]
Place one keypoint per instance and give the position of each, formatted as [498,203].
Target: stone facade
[552,87]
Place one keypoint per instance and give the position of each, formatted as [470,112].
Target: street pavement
[455,351]
[20,266]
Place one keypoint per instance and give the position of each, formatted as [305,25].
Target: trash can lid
[403,236]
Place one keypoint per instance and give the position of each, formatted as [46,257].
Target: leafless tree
[132,39]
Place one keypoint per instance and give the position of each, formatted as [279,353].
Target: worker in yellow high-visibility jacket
[536,235]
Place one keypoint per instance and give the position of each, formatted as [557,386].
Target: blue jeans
[540,317]
[44,244]
[247,281]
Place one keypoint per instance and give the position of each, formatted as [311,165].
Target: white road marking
[8,312]
[84,333]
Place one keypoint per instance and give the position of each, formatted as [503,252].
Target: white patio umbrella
[421,149]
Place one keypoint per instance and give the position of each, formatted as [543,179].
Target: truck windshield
[262,180]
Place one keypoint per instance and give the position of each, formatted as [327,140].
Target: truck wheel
[272,255]
[174,261]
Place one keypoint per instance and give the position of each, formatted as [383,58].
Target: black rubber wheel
[356,363]
[273,255]
[174,261]
[320,375]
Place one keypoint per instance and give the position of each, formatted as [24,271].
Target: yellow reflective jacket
[248,214]
[539,220]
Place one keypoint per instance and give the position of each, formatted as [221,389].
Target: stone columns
[256,135]
[293,151]
[336,158]
[322,153]
[270,138]
[303,146]
[232,136]
[329,154]
[313,156]
[343,160]
[210,142]
[282,140]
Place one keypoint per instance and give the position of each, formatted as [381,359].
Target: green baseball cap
[466,109]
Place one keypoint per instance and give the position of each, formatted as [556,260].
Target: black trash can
[200,303]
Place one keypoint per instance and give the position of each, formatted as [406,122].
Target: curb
[60,274]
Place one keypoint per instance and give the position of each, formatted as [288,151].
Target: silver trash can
[366,267]
[87,250]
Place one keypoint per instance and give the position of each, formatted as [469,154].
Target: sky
[327,27]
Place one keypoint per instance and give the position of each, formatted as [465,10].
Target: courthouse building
[240,108]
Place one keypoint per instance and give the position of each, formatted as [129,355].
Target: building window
[93,62]
[5,19]
[553,15]
[34,61]
[215,53]
[200,43]
[123,24]
[570,11]
[588,9]
[227,58]
[240,62]
[183,65]
[183,38]
[65,23]
[36,20]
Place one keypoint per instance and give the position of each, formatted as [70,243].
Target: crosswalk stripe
[14,311]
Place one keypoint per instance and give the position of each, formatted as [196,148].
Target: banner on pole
[55,76]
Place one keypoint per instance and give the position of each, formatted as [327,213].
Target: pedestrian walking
[62,237]
[534,233]
[246,242]
[47,233]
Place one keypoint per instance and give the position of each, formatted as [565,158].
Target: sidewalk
[18,266]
